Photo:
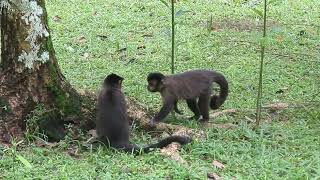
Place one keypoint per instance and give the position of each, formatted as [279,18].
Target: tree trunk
[30,75]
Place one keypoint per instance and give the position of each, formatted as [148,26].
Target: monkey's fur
[193,86]
[112,122]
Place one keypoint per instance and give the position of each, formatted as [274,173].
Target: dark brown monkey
[112,122]
[193,86]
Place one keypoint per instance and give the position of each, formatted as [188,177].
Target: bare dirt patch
[247,25]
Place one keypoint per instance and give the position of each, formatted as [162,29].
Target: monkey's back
[191,84]
[112,120]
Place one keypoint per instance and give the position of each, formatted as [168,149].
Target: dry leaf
[277,106]
[227,111]
[282,90]
[56,18]
[147,35]
[218,164]
[52,145]
[213,176]
[122,49]
[221,126]
[141,46]
[86,55]
[70,49]
[73,153]
[42,143]
[82,39]
[215,28]
[249,119]
[93,133]
[172,151]
[279,38]
[102,37]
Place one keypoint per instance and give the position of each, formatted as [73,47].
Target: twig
[259,96]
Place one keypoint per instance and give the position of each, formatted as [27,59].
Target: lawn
[132,38]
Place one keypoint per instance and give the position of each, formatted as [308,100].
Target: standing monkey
[193,86]
[112,122]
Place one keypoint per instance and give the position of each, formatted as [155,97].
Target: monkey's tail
[217,101]
[164,142]
[133,148]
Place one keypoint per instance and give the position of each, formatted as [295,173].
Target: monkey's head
[113,80]
[155,81]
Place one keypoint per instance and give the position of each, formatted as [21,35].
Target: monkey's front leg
[164,111]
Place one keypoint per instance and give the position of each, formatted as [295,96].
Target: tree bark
[30,77]
[22,87]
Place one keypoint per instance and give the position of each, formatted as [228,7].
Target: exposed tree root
[139,115]
[172,151]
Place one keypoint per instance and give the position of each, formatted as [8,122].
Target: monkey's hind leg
[193,106]
[204,107]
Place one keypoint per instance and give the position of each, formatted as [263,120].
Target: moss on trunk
[22,88]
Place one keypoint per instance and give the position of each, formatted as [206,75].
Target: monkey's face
[154,85]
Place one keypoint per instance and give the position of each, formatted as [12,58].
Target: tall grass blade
[24,161]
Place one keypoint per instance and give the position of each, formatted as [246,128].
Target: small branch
[172,37]
[259,96]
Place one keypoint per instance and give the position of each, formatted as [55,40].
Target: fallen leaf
[56,18]
[52,145]
[282,90]
[226,111]
[215,28]
[172,151]
[141,47]
[122,49]
[279,38]
[221,126]
[82,40]
[213,176]
[93,133]
[249,119]
[73,153]
[86,55]
[147,35]
[102,37]
[70,49]
[218,164]
[42,143]
[277,106]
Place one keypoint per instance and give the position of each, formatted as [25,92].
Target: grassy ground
[132,38]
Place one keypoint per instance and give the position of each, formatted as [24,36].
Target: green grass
[286,148]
